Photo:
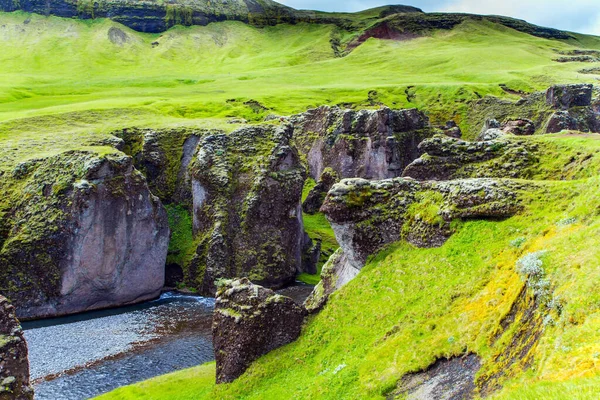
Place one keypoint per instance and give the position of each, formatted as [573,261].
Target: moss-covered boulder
[447,158]
[370,144]
[80,231]
[14,361]
[247,215]
[250,321]
[367,215]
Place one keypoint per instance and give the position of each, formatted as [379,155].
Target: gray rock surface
[250,321]
[370,144]
[91,236]
[14,362]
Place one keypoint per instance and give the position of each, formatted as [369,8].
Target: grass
[410,306]
[318,228]
[71,68]
[64,86]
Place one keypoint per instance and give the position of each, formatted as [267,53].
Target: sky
[571,15]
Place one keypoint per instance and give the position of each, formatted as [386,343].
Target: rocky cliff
[247,216]
[83,232]
[155,16]
[367,215]
[14,362]
[370,144]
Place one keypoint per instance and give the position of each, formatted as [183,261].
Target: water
[82,356]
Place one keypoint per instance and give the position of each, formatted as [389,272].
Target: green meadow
[64,84]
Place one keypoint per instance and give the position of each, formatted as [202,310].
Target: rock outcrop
[84,232]
[564,97]
[147,16]
[250,321]
[367,215]
[14,361]
[370,144]
[317,195]
[247,214]
[574,109]
[447,158]
[561,107]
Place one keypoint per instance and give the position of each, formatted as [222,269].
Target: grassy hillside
[66,84]
[411,306]
[66,68]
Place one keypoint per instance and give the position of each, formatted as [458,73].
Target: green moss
[182,245]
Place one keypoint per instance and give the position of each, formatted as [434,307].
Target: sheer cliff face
[247,188]
[370,144]
[85,234]
[153,16]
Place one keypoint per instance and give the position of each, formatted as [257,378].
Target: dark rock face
[446,158]
[247,216]
[14,361]
[250,321]
[575,109]
[88,234]
[164,157]
[449,379]
[564,97]
[584,119]
[317,195]
[368,144]
[367,215]
[157,17]
[311,253]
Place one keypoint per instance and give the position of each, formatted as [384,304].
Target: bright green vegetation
[182,245]
[65,85]
[318,228]
[410,306]
[81,77]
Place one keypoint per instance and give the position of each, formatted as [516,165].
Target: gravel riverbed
[82,356]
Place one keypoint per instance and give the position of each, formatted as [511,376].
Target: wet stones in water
[250,321]
[14,371]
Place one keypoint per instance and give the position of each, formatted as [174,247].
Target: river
[82,356]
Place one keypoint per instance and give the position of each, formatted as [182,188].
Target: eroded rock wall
[84,233]
[370,144]
[247,216]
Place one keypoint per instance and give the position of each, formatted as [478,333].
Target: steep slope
[534,331]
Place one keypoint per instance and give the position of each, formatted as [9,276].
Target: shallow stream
[85,355]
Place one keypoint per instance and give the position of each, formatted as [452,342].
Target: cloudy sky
[572,15]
